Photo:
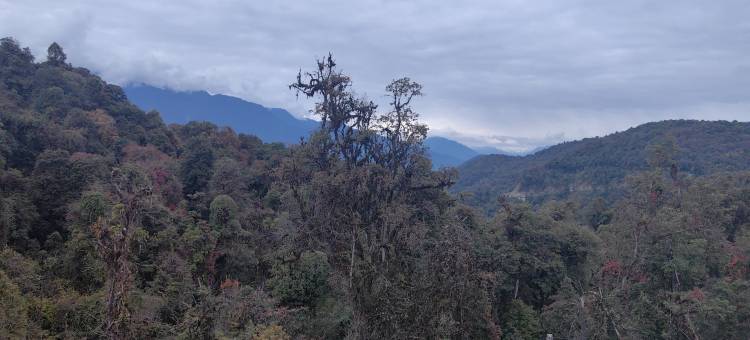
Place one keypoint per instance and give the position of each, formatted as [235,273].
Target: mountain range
[596,167]
[272,125]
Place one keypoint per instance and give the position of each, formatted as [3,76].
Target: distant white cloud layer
[509,73]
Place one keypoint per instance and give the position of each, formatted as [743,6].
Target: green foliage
[80,264]
[13,317]
[71,315]
[724,312]
[521,322]
[17,218]
[229,178]
[199,319]
[197,165]
[662,154]
[302,281]
[272,332]
[223,211]
[24,272]
[93,205]
[199,241]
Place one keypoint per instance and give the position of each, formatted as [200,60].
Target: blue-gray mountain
[272,125]
[445,152]
[269,124]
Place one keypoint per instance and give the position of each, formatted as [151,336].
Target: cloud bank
[532,72]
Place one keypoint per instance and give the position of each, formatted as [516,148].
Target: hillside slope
[596,166]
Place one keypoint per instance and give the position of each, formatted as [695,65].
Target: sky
[514,74]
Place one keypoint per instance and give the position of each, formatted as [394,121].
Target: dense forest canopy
[116,226]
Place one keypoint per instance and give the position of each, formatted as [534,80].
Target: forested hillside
[116,226]
[596,167]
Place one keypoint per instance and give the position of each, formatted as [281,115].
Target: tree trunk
[351,263]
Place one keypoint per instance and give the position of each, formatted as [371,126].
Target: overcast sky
[515,74]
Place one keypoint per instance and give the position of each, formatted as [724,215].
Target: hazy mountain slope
[270,124]
[596,166]
[489,150]
[446,152]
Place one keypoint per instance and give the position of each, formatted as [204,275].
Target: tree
[400,128]
[16,67]
[302,281]
[197,165]
[53,188]
[359,187]
[114,236]
[346,120]
[224,212]
[522,322]
[662,154]
[55,55]
[229,177]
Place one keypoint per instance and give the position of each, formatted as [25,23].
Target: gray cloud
[538,71]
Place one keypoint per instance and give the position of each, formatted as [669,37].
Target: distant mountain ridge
[446,152]
[269,124]
[595,167]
